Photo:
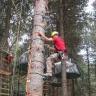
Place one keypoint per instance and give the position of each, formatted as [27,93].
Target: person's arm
[50,48]
[46,38]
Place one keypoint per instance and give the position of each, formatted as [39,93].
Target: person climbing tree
[59,49]
[9,57]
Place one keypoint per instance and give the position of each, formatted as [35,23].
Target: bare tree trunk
[61,19]
[63,64]
[69,89]
[35,81]
[73,88]
[16,49]
[64,80]
[89,88]
[5,44]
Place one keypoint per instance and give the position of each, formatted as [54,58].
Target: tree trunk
[16,49]
[89,87]
[34,81]
[5,44]
[4,41]
[69,87]
[63,64]
[64,80]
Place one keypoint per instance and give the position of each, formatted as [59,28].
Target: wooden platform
[4,94]
[4,72]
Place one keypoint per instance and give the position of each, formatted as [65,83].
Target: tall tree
[35,72]
[63,63]
[6,28]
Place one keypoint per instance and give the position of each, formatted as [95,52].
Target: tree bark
[5,44]
[34,80]
[16,49]
[63,64]
[89,87]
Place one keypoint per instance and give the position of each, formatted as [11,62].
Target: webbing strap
[40,2]
[32,93]
[30,61]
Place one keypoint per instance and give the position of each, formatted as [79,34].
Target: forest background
[16,20]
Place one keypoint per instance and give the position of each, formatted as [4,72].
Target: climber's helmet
[54,33]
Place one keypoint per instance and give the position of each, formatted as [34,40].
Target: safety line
[33,93]
[35,32]
[40,2]
[30,62]
[64,84]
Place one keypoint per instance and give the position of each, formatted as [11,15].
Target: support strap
[27,93]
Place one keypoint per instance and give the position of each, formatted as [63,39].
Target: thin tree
[89,89]
[15,57]
[63,64]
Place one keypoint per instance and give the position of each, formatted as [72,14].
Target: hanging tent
[71,69]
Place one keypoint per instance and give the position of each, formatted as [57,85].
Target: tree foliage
[75,20]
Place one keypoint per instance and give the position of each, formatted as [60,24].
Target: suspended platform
[71,71]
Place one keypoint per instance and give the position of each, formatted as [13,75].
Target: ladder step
[4,72]
[4,94]
[5,83]
[4,89]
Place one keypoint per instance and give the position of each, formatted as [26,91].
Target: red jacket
[9,58]
[59,43]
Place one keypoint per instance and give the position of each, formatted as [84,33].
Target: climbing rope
[29,64]
[29,67]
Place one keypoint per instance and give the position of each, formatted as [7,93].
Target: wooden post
[35,82]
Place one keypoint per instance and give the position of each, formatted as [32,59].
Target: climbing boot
[47,74]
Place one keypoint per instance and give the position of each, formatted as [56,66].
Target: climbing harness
[62,54]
